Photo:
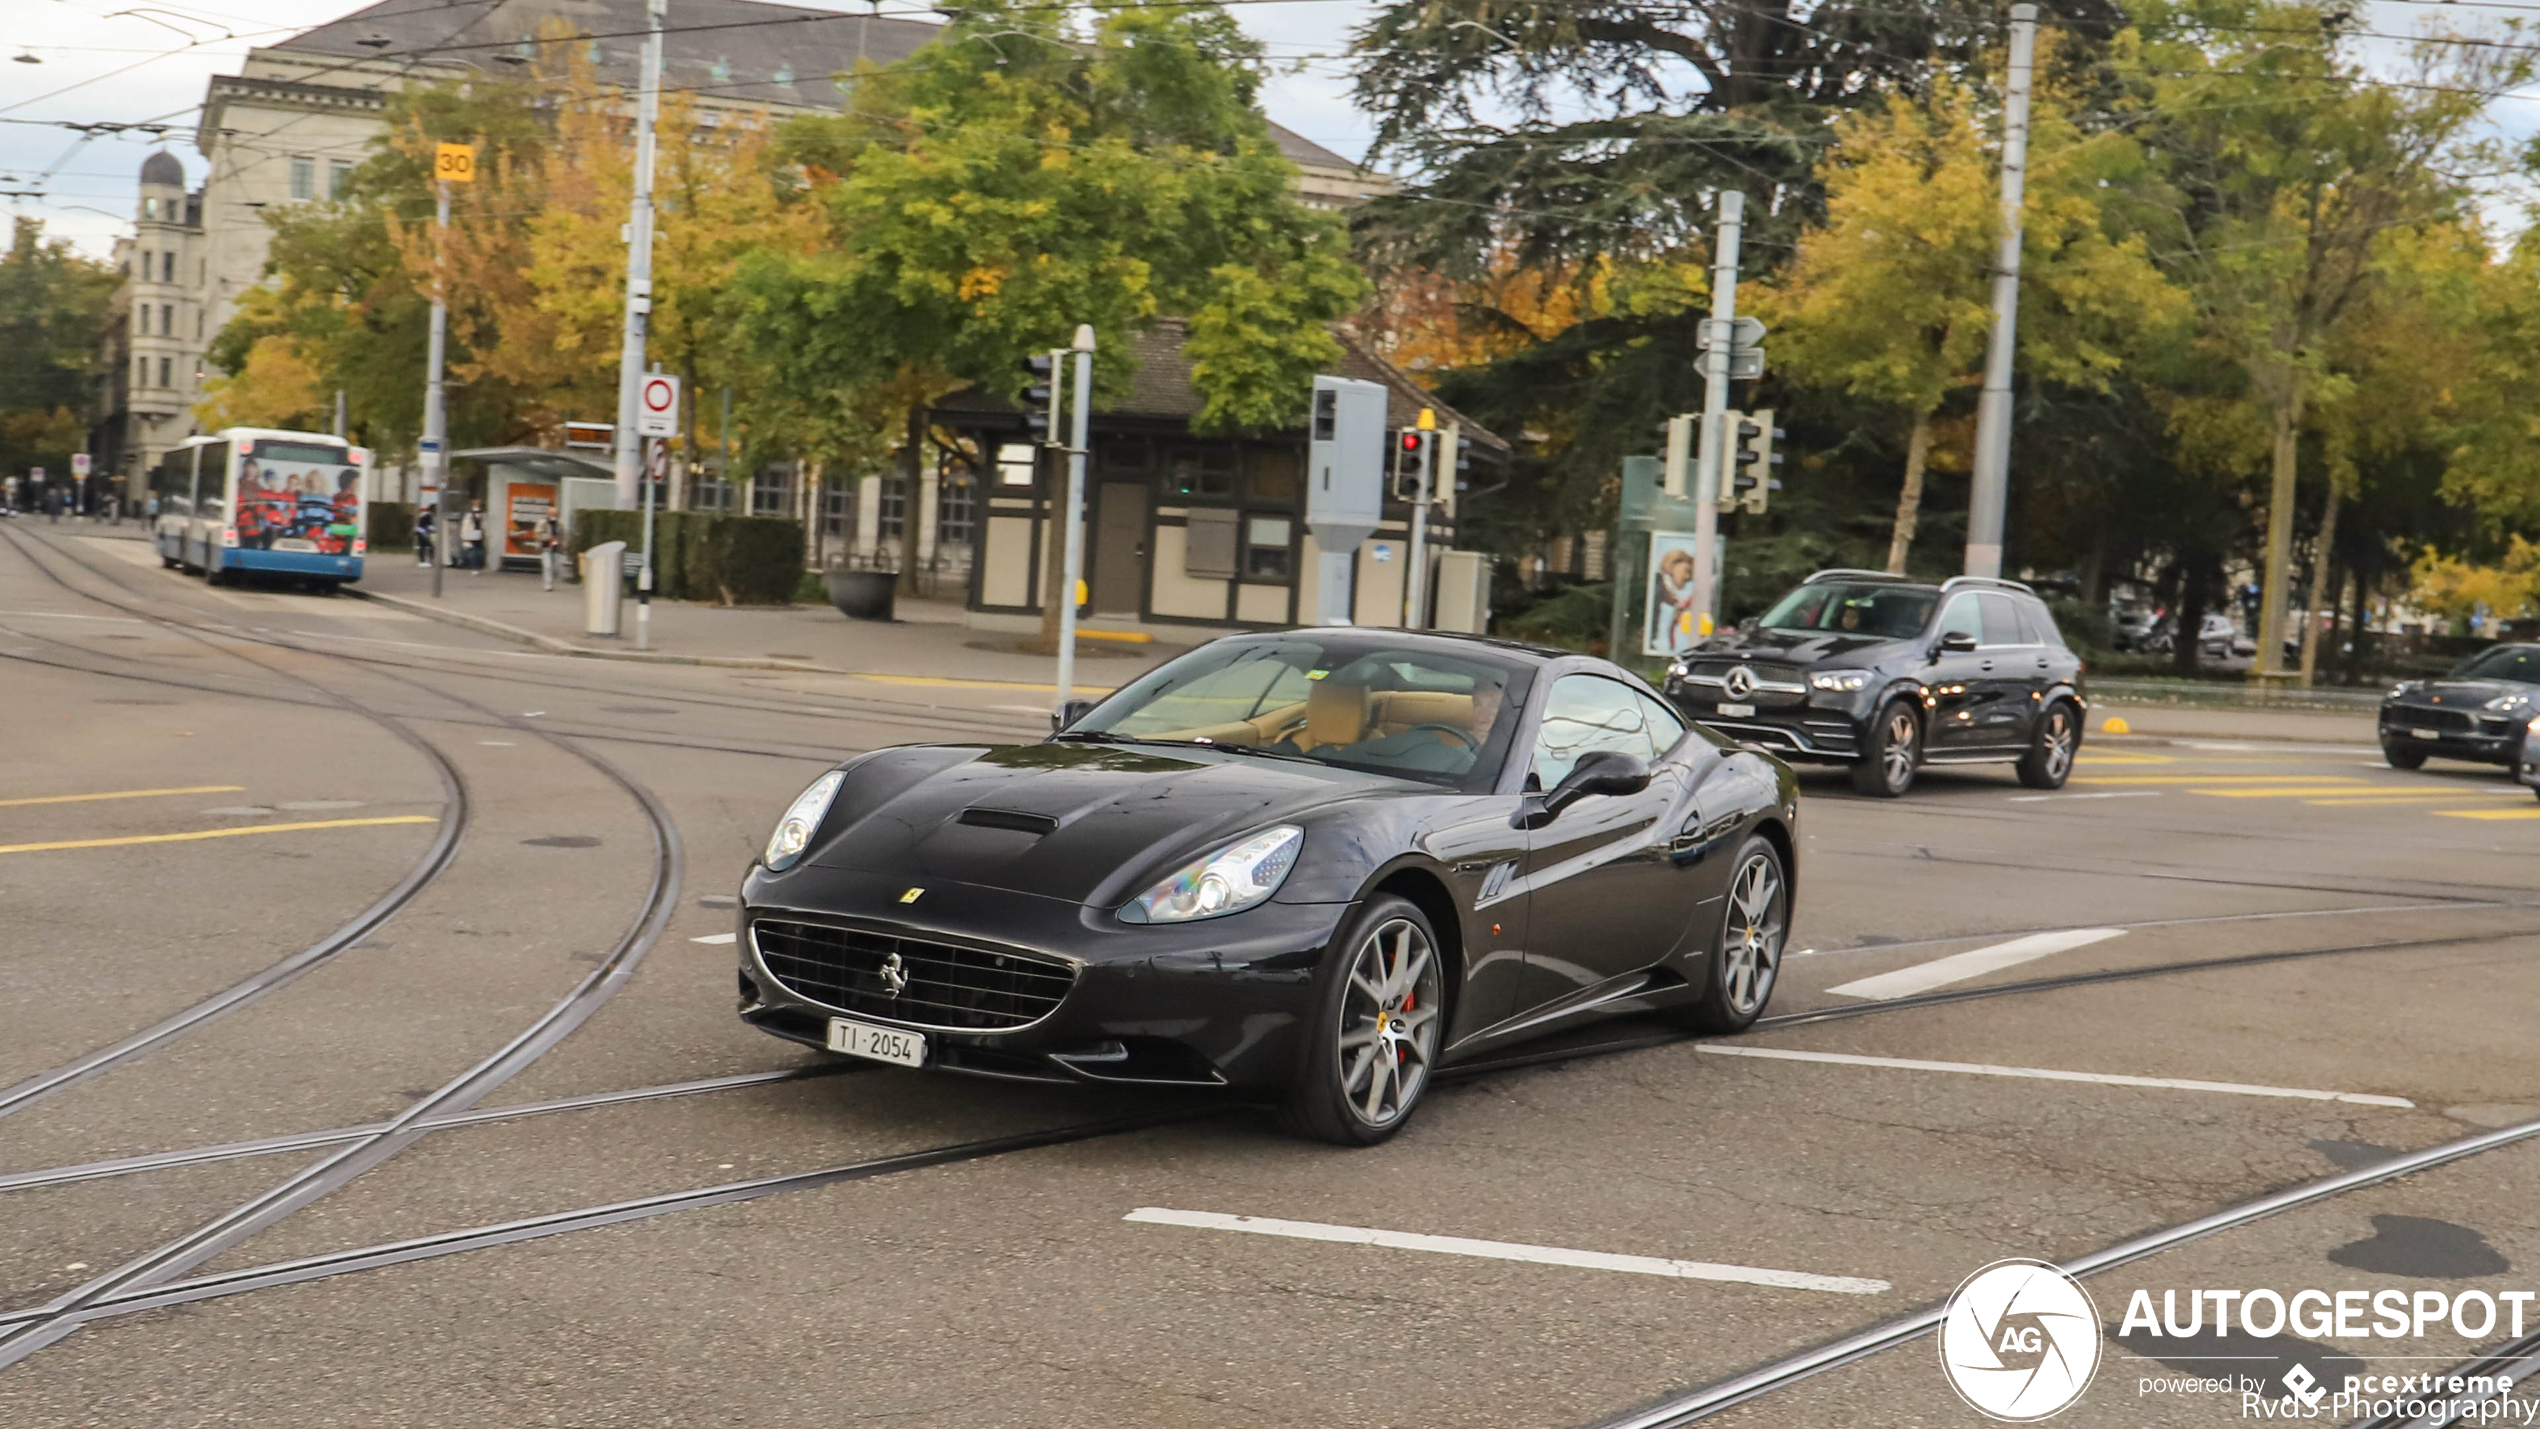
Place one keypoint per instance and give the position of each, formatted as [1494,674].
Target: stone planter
[864,595]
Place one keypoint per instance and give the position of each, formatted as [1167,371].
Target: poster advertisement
[1667,614]
[525,504]
[298,496]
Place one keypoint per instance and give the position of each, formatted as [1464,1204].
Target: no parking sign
[657,406]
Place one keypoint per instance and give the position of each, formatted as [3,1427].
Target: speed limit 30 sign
[657,406]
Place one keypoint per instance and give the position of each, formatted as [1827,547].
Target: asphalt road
[2308,964]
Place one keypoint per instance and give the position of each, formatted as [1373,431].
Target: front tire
[2049,761]
[1374,1040]
[1894,751]
[1747,957]
[2400,757]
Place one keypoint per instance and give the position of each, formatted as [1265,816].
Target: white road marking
[1976,962]
[2038,798]
[717,938]
[497,743]
[66,615]
[1509,1250]
[2048,1074]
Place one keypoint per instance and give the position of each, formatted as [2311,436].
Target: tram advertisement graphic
[297,496]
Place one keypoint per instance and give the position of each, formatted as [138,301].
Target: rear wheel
[2049,761]
[2402,757]
[1375,1035]
[1748,959]
[1892,753]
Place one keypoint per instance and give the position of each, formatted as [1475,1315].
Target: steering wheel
[1443,727]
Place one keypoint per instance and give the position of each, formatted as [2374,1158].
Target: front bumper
[1806,731]
[1216,1003]
[2487,739]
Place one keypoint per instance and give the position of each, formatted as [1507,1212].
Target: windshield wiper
[1252,749]
[1100,736]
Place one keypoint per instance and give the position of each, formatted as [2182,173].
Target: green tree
[1890,299]
[53,304]
[1009,182]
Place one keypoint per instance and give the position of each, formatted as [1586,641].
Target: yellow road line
[2530,813]
[122,794]
[2308,791]
[2361,798]
[2219,779]
[229,833]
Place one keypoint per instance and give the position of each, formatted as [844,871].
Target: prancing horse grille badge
[894,976]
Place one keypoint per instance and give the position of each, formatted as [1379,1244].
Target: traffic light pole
[1080,437]
[436,419]
[1415,608]
[1711,469]
[639,263]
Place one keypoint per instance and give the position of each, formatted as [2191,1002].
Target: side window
[1961,618]
[1665,725]
[1585,713]
[2040,623]
[2001,620]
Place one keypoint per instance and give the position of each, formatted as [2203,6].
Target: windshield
[2503,662]
[1357,701]
[1881,612]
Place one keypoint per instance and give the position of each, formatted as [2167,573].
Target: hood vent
[1021,823]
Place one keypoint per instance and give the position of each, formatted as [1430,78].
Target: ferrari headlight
[1842,680]
[2401,688]
[2505,702]
[1228,881]
[802,819]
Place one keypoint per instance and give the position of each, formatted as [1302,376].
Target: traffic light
[1410,452]
[1753,484]
[1040,398]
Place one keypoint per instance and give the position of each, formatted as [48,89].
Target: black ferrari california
[1317,865]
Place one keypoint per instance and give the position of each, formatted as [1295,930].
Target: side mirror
[1068,713]
[1604,771]
[1956,642]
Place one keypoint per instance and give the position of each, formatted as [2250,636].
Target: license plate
[882,1044]
[1737,711]
[2427,733]
[294,545]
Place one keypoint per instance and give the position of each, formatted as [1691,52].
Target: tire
[1745,961]
[1361,1074]
[2401,757]
[2049,761]
[1893,751]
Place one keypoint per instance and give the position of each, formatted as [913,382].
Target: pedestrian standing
[550,545]
[423,539]
[472,538]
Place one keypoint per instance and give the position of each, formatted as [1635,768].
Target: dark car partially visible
[2482,712]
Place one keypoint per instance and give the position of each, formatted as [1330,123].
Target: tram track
[62,1315]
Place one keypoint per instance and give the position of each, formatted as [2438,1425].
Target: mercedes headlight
[1228,881]
[2505,702]
[2401,688]
[1841,680]
[802,820]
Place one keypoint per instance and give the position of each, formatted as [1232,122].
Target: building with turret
[151,356]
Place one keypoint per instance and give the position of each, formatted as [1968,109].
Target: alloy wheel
[1754,941]
[1389,1029]
[1897,759]
[2058,744]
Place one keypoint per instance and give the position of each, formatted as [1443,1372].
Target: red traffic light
[1410,440]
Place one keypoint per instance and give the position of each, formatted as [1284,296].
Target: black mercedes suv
[1887,674]
[2482,711]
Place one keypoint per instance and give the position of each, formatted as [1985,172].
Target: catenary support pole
[1072,568]
[639,262]
[434,447]
[1715,407]
[1990,494]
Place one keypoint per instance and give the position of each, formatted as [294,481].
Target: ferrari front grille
[911,980]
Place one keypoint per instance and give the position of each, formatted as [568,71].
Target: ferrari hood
[1080,822]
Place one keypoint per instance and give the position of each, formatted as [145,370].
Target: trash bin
[603,587]
[863,595]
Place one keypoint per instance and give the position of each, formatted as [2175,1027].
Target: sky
[99,60]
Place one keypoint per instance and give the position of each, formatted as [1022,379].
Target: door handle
[1987,665]
[2041,664]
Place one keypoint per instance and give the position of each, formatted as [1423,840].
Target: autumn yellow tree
[1888,300]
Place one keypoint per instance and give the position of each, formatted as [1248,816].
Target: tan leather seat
[1335,714]
[1399,710]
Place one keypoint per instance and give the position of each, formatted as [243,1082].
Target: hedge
[392,526]
[701,555]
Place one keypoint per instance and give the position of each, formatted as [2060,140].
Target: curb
[552,646]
